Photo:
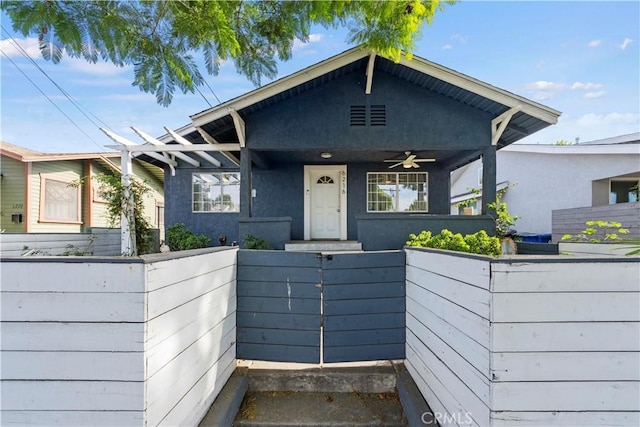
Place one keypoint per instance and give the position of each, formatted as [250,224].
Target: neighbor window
[623,191]
[59,200]
[216,192]
[397,192]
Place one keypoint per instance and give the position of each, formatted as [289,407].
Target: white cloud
[595,43]
[460,38]
[593,120]
[595,95]
[586,86]
[545,85]
[98,69]
[543,90]
[627,41]
[29,44]
[447,47]
[299,45]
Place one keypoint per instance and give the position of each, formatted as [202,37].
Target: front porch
[377,232]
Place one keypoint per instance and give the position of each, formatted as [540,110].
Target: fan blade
[424,160]
[390,160]
[410,158]
[415,165]
[396,165]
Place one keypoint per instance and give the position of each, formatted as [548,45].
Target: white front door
[325,202]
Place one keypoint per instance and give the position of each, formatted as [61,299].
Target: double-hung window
[216,192]
[397,192]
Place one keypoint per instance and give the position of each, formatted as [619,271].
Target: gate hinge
[319,285]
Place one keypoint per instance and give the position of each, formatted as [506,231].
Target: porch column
[440,191]
[488,178]
[245,183]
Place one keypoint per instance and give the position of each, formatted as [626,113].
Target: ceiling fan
[410,162]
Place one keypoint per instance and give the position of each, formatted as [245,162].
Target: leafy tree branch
[161,38]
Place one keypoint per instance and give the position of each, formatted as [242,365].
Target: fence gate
[363,306]
[278,315]
[287,300]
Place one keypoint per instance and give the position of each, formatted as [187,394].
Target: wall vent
[358,116]
[378,115]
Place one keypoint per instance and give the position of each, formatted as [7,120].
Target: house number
[344,182]
[17,206]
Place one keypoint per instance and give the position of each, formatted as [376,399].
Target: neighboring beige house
[36,195]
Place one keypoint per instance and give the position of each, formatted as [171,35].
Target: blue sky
[582,58]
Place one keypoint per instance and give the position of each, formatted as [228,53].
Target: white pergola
[167,154]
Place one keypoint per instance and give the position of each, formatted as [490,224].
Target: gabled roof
[630,138]
[27,155]
[530,117]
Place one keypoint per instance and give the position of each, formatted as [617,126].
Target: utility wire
[203,97]
[49,99]
[214,94]
[80,108]
[105,159]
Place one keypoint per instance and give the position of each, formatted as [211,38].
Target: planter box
[525,340]
[116,341]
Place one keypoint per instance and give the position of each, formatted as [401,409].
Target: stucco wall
[547,182]
[416,118]
[178,208]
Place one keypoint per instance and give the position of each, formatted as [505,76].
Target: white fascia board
[486,90]
[632,149]
[280,85]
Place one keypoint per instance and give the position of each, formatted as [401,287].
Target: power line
[203,97]
[80,108]
[214,94]
[49,99]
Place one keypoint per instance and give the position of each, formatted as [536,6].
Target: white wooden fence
[142,341]
[525,340]
[99,242]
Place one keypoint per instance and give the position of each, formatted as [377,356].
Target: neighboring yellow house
[36,195]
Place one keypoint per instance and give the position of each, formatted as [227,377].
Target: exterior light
[326,155]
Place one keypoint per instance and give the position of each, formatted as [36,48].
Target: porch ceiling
[361,156]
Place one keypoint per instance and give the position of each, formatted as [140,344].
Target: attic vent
[358,115]
[378,115]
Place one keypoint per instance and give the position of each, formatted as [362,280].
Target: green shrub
[477,243]
[180,238]
[255,242]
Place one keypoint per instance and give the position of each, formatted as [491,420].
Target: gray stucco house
[355,148]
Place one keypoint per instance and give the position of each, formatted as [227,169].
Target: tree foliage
[161,38]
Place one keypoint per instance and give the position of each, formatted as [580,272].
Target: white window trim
[396,200]
[212,212]
[41,214]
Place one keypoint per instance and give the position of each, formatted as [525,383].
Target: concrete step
[323,246]
[368,379]
[318,409]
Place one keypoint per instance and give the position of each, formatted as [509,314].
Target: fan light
[326,155]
